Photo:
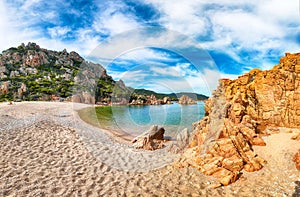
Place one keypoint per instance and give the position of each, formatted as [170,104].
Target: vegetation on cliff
[29,72]
[172,96]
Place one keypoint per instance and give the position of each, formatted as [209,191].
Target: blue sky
[162,45]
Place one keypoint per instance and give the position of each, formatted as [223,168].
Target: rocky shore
[240,115]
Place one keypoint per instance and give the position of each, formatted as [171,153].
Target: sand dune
[45,149]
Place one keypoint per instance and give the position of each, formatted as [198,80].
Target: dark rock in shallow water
[157,134]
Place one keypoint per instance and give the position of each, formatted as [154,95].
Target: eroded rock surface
[182,141]
[150,140]
[237,115]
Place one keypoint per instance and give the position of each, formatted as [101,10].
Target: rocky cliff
[30,72]
[237,116]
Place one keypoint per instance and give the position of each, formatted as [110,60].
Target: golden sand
[45,149]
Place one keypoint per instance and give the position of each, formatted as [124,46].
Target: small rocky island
[149,100]
[186,100]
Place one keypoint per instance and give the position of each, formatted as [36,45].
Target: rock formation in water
[150,140]
[148,100]
[237,116]
[186,100]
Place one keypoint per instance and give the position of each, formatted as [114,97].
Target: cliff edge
[239,113]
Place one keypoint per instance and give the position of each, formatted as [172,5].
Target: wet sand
[45,149]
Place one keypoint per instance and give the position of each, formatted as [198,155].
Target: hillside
[172,96]
[28,72]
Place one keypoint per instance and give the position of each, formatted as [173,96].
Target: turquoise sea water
[135,120]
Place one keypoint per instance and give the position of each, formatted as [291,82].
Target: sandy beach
[47,150]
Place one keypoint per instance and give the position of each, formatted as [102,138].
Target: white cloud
[132,43]
[234,26]
[207,81]
[280,12]
[177,70]
[114,24]
[141,54]
[243,28]
[132,76]
[27,4]
[182,16]
[166,71]
[202,83]
[261,27]
[57,32]
[111,21]
[10,34]
[171,86]
[169,80]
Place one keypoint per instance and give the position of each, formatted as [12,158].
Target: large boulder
[182,141]
[150,140]
[166,100]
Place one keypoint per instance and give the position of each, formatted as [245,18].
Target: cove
[134,120]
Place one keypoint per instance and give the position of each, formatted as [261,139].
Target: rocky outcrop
[149,100]
[237,115]
[33,55]
[4,88]
[150,140]
[29,72]
[84,97]
[186,100]
[271,97]
[22,90]
[166,100]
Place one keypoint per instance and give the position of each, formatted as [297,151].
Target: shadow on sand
[297,189]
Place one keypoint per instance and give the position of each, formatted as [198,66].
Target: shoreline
[66,114]
[115,135]
[46,149]
[129,130]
